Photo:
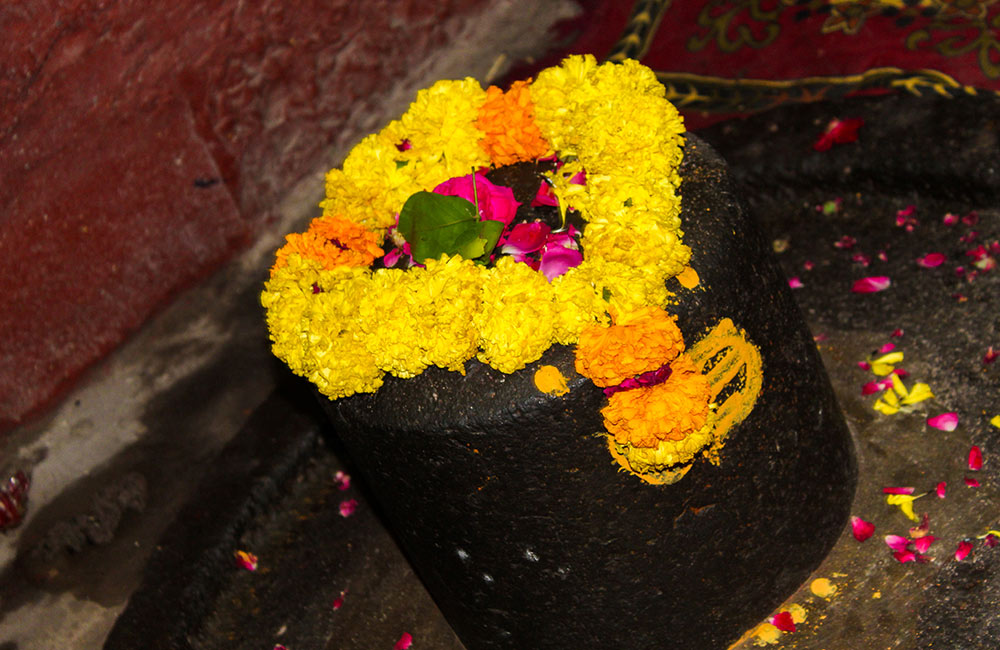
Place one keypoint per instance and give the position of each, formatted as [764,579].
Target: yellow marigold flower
[636,343]
[311,318]
[557,93]
[332,241]
[673,410]
[578,303]
[507,122]
[627,287]
[666,454]
[515,324]
[645,247]
[389,316]
[454,288]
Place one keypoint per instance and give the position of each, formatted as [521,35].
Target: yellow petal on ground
[918,393]
[886,363]
[995,421]
[905,503]
[884,408]
[890,398]
[823,588]
[898,387]
[550,381]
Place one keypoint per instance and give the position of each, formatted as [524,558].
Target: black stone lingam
[524,529]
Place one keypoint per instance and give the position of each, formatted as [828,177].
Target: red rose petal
[896,542]
[923,543]
[783,621]
[991,540]
[404,642]
[990,356]
[940,489]
[861,529]
[898,490]
[872,284]
[963,550]
[795,283]
[931,260]
[871,388]
[905,556]
[971,482]
[975,458]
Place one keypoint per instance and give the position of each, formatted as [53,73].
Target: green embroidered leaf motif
[435,225]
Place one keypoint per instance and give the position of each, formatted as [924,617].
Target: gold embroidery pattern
[642,25]
[725,25]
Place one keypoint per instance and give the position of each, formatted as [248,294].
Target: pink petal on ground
[343,480]
[908,211]
[404,642]
[871,388]
[278,646]
[338,602]
[896,333]
[971,219]
[795,283]
[872,284]
[864,365]
[923,543]
[845,242]
[808,265]
[971,482]
[950,219]
[898,490]
[963,550]
[896,542]
[347,507]
[917,532]
[882,256]
[990,356]
[905,556]
[930,260]
[861,258]
[940,489]
[544,196]
[944,422]
[975,458]
[887,348]
[991,540]
[861,529]
[838,132]
[783,621]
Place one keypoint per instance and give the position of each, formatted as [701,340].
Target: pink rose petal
[783,621]
[950,219]
[991,540]
[963,550]
[931,260]
[944,422]
[861,529]
[872,284]
[795,283]
[342,480]
[971,482]
[905,556]
[525,238]
[921,544]
[896,333]
[556,260]
[975,458]
[246,560]
[864,365]
[405,641]
[896,542]
[887,348]
[347,507]
[898,490]
[871,388]
[495,202]
[940,489]
[808,265]
[846,242]
[545,196]
[990,356]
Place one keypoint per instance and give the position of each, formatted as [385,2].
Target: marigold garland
[343,325]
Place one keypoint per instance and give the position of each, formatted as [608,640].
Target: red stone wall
[142,143]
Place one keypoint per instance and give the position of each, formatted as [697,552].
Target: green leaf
[435,225]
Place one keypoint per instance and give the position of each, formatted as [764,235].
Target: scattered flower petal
[921,544]
[556,260]
[871,388]
[246,560]
[795,283]
[896,333]
[861,529]
[888,347]
[971,482]
[905,503]
[846,242]
[975,458]
[783,621]
[278,646]
[940,489]
[898,490]
[808,265]
[343,480]
[991,538]
[963,550]
[545,196]
[918,393]
[896,542]
[838,132]
[950,219]
[921,531]
[990,356]
[931,260]
[862,259]
[338,602]
[944,422]
[864,365]
[905,556]
[404,642]
[347,507]
[872,284]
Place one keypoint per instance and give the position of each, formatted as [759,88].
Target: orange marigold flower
[637,342]
[669,411]
[508,120]
[332,241]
